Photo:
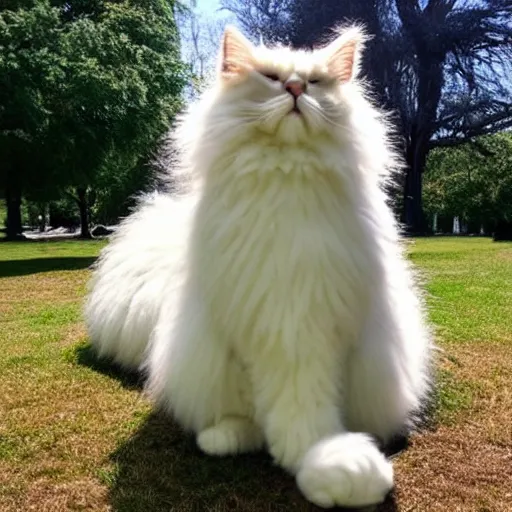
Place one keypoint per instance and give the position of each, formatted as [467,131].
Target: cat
[270,303]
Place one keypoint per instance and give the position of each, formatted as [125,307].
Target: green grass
[469,281]
[77,433]
[469,294]
[36,250]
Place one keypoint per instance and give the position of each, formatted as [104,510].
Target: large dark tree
[442,66]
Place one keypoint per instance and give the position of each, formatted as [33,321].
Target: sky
[208,6]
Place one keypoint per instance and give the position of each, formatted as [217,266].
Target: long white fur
[272,304]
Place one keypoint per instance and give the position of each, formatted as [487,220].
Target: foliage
[82,84]
[473,181]
[30,70]
[119,180]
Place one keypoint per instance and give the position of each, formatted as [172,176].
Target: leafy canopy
[83,83]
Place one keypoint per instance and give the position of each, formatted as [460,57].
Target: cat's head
[265,99]
[287,93]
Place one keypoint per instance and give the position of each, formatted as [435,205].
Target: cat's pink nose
[294,87]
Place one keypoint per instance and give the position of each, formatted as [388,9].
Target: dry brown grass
[467,464]
[78,435]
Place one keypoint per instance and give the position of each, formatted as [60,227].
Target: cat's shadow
[86,355]
[160,469]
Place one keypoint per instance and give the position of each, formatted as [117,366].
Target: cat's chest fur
[282,251]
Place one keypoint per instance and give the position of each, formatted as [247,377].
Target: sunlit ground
[76,434]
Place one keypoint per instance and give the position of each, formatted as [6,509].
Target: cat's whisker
[317,110]
[275,111]
[255,108]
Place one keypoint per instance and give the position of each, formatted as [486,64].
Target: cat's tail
[133,275]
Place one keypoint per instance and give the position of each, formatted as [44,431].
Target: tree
[437,64]
[268,19]
[125,80]
[200,37]
[474,182]
[116,84]
[29,72]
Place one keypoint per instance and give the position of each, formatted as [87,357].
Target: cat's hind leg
[194,376]
[133,277]
[231,435]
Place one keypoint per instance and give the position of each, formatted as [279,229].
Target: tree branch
[456,140]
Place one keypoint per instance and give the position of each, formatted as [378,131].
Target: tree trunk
[45,217]
[430,58]
[84,212]
[13,223]
[413,217]
[502,231]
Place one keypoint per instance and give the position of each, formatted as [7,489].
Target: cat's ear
[343,55]
[236,53]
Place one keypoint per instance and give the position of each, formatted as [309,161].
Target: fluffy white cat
[271,304]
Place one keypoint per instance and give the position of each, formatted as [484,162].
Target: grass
[77,434]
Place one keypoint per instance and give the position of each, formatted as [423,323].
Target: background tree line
[89,87]
[473,182]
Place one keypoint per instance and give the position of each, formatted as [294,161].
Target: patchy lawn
[79,435]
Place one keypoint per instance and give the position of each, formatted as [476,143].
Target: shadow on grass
[13,268]
[161,469]
[85,355]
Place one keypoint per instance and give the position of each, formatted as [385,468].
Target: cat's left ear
[343,55]
[236,53]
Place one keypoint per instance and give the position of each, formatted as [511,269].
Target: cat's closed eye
[271,76]
[314,81]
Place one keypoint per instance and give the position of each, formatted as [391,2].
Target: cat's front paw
[230,436]
[345,470]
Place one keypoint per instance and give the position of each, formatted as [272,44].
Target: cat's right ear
[236,53]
